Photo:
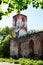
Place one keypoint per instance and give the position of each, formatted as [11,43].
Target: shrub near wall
[24,61]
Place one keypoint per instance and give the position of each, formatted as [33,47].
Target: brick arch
[41,44]
[31,48]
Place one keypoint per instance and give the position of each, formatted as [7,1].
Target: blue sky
[34,19]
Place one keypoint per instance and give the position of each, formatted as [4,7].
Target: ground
[6,63]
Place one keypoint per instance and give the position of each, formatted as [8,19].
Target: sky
[34,18]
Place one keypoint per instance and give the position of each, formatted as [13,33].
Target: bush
[39,62]
[6,46]
[22,61]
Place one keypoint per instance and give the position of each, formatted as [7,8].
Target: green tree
[6,46]
[6,31]
[18,5]
[5,37]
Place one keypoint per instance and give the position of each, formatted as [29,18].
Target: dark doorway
[31,48]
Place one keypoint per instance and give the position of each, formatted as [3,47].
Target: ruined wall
[25,43]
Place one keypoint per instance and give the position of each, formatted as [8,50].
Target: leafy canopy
[18,5]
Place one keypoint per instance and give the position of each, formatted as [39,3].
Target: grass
[22,61]
[7,60]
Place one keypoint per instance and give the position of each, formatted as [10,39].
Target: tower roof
[23,17]
[19,15]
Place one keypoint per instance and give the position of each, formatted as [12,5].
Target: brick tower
[19,24]
[20,29]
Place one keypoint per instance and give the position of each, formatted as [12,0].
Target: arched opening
[31,49]
[42,46]
[19,49]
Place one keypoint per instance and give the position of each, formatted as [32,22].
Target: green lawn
[22,61]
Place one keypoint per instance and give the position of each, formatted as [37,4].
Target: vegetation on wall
[14,36]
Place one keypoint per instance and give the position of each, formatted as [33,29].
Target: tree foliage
[18,5]
[6,46]
[5,31]
[5,37]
